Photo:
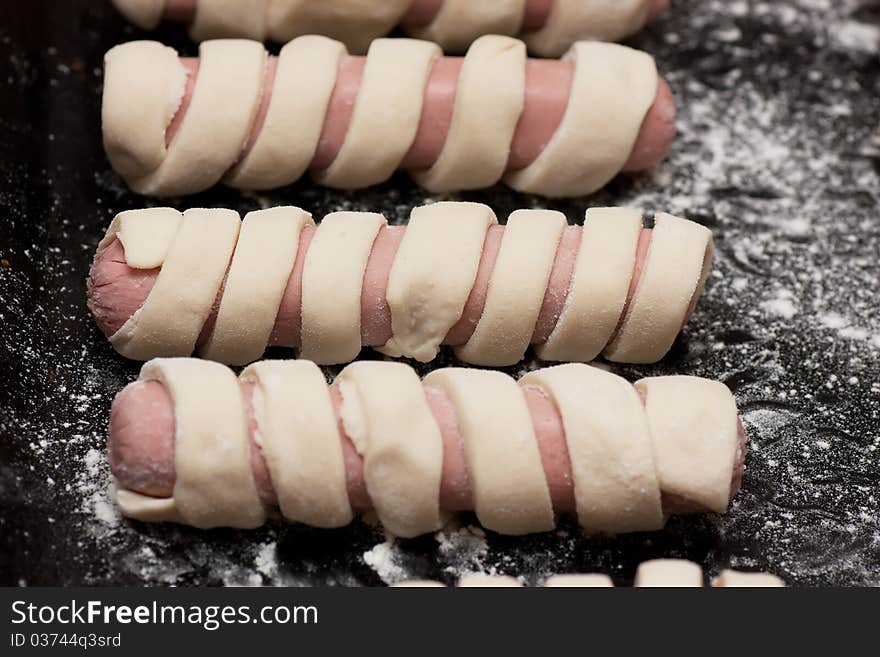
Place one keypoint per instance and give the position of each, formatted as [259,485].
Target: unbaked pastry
[357,22]
[385,413]
[612,91]
[430,280]
[669,573]
[214,484]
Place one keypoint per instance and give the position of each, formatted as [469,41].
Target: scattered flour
[852,35]
[459,551]
[782,304]
[385,558]
[266,561]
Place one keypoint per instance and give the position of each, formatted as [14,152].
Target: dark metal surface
[778,105]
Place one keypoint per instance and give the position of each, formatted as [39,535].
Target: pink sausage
[141,449]
[116,291]
[548,84]
[420,14]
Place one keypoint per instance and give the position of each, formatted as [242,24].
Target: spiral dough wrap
[430,280]
[612,90]
[626,444]
[358,22]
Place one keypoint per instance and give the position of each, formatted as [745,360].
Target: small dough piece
[609,445]
[181,300]
[579,581]
[460,23]
[386,415]
[304,80]
[516,289]
[299,437]
[332,283]
[146,14]
[146,235]
[695,431]
[677,265]
[576,20]
[386,114]
[214,485]
[144,84]
[354,22]
[510,490]
[217,123]
[612,90]
[489,100]
[433,274]
[729,579]
[666,573]
[599,286]
[478,580]
[264,257]
[418,584]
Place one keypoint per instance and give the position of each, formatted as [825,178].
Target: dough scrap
[418,584]
[728,579]
[677,573]
[146,235]
[478,580]
[579,581]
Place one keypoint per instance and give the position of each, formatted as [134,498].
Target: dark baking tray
[778,110]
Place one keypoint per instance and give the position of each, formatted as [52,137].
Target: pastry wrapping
[356,23]
[231,129]
[622,452]
[223,286]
